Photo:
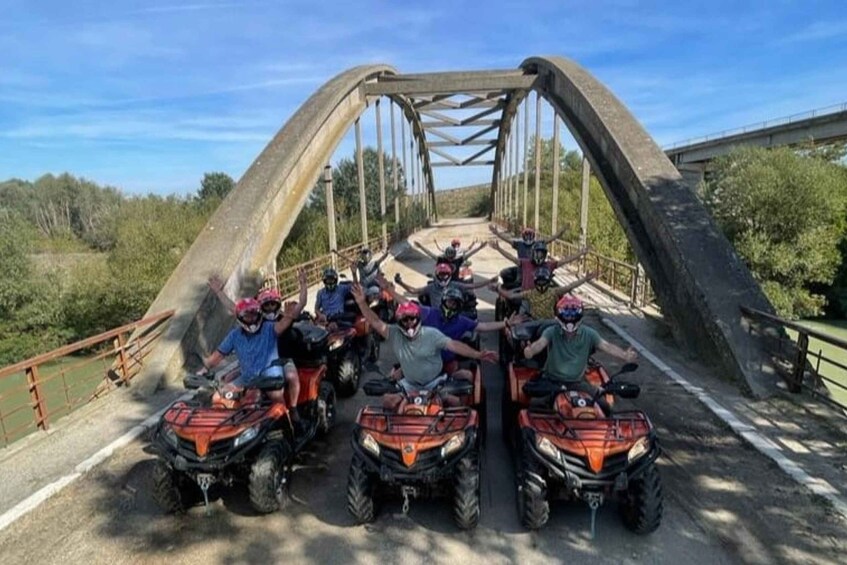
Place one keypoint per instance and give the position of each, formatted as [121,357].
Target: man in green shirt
[570,344]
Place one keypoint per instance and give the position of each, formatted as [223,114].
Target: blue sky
[149,95]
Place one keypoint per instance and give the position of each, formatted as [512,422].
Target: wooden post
[119,344]
[39,409]
[381,161]
[537,159]
[796,384]
[554,228]
[360,170]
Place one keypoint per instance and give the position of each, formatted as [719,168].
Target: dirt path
[724,502]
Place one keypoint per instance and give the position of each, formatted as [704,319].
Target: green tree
[215,185]
[785,215]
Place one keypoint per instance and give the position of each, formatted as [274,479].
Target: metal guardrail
[834,109]
[802,368]
[33,393]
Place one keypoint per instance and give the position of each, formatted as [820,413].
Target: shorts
[279,368]
[412,387]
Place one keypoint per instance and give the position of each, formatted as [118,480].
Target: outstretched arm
[378,325]
[557,235]
[382,257]
[507,294]
[571,258]
[512,320]
[217,287]
[407,288]
[629,355]
[389,288]
[432,255]
[535,348]
[579,282]
[505,253]
[472,286]
[343,256]
[465,350]
[470,253]
[435,241]
[500,234]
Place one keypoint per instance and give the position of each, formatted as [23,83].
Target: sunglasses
[271,306]
[409,321]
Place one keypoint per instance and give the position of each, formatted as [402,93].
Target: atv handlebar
[455,387]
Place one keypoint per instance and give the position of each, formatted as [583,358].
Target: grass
[67,383]
[837,329]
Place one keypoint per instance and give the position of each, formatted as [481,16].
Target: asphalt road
[723,502]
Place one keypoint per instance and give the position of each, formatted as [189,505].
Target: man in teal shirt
[570,344]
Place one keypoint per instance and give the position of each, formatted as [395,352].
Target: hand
[527,352]
[216,283]
[289,310]
[202,371]
[630,355]
[516,319]
[489,356]
[358,294]
[396,374]
[493,287]
[320,319]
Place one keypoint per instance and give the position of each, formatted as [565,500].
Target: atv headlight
[546,447]
[247,435]
[640,448]
[336,344]
[454,443]
[369,443]
[170,435]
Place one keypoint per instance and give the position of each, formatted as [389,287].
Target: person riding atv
[569,345]
[367,267]
[523,244]
[417,348]
[434,289]
[539,301]
[452,257]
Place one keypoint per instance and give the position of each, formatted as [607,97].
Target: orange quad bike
[422,448]
[230,432]
[572,445]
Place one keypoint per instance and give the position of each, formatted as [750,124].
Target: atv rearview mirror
[623,389]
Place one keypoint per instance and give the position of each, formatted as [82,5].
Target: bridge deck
[724,502]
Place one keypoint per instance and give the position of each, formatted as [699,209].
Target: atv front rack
[196,416]
[621,426]
[391,423]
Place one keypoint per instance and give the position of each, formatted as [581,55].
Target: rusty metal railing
[35,392]
[802,369]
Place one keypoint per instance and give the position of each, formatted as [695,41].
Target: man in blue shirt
[329,304]
[254,343]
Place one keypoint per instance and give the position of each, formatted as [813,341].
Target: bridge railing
[36,391]
[806,359]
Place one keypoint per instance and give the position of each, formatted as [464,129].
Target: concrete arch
[699,280]
[249,228]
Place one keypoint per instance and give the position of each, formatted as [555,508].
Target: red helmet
[569,310]
[270,302]
[248,313]
[528,234]
[443,273]
[456,243]
[408,317]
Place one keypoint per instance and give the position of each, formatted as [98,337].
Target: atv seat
[305,343]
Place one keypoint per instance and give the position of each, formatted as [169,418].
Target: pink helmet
[409,319]
[443,273]
[569,310]
[270,302]
[248,313]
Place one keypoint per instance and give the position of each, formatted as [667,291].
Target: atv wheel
[466,492]
[326,408]
[533,508]
[173,491]
[360,492]
[347,374]
[269,479]
[641,504]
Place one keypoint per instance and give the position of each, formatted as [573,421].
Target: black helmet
[539,253]
[543,278]
[365,256]
[450,252]
[330,278]
[452,294]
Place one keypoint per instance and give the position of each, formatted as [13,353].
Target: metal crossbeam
[446,124]
[460,142]
[456,83]
[470,164]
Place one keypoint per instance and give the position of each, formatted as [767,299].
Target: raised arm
[557,235]
[217,287]
[389,288]
[506,254]
[431,255]
[512,320]
[378,325]
[472,286]
[470,253]
[343,256]
[382,257]
[407,288]
[562,290]
[303,297]
[571,258]
[499,234]
[435,241]
[290,312]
